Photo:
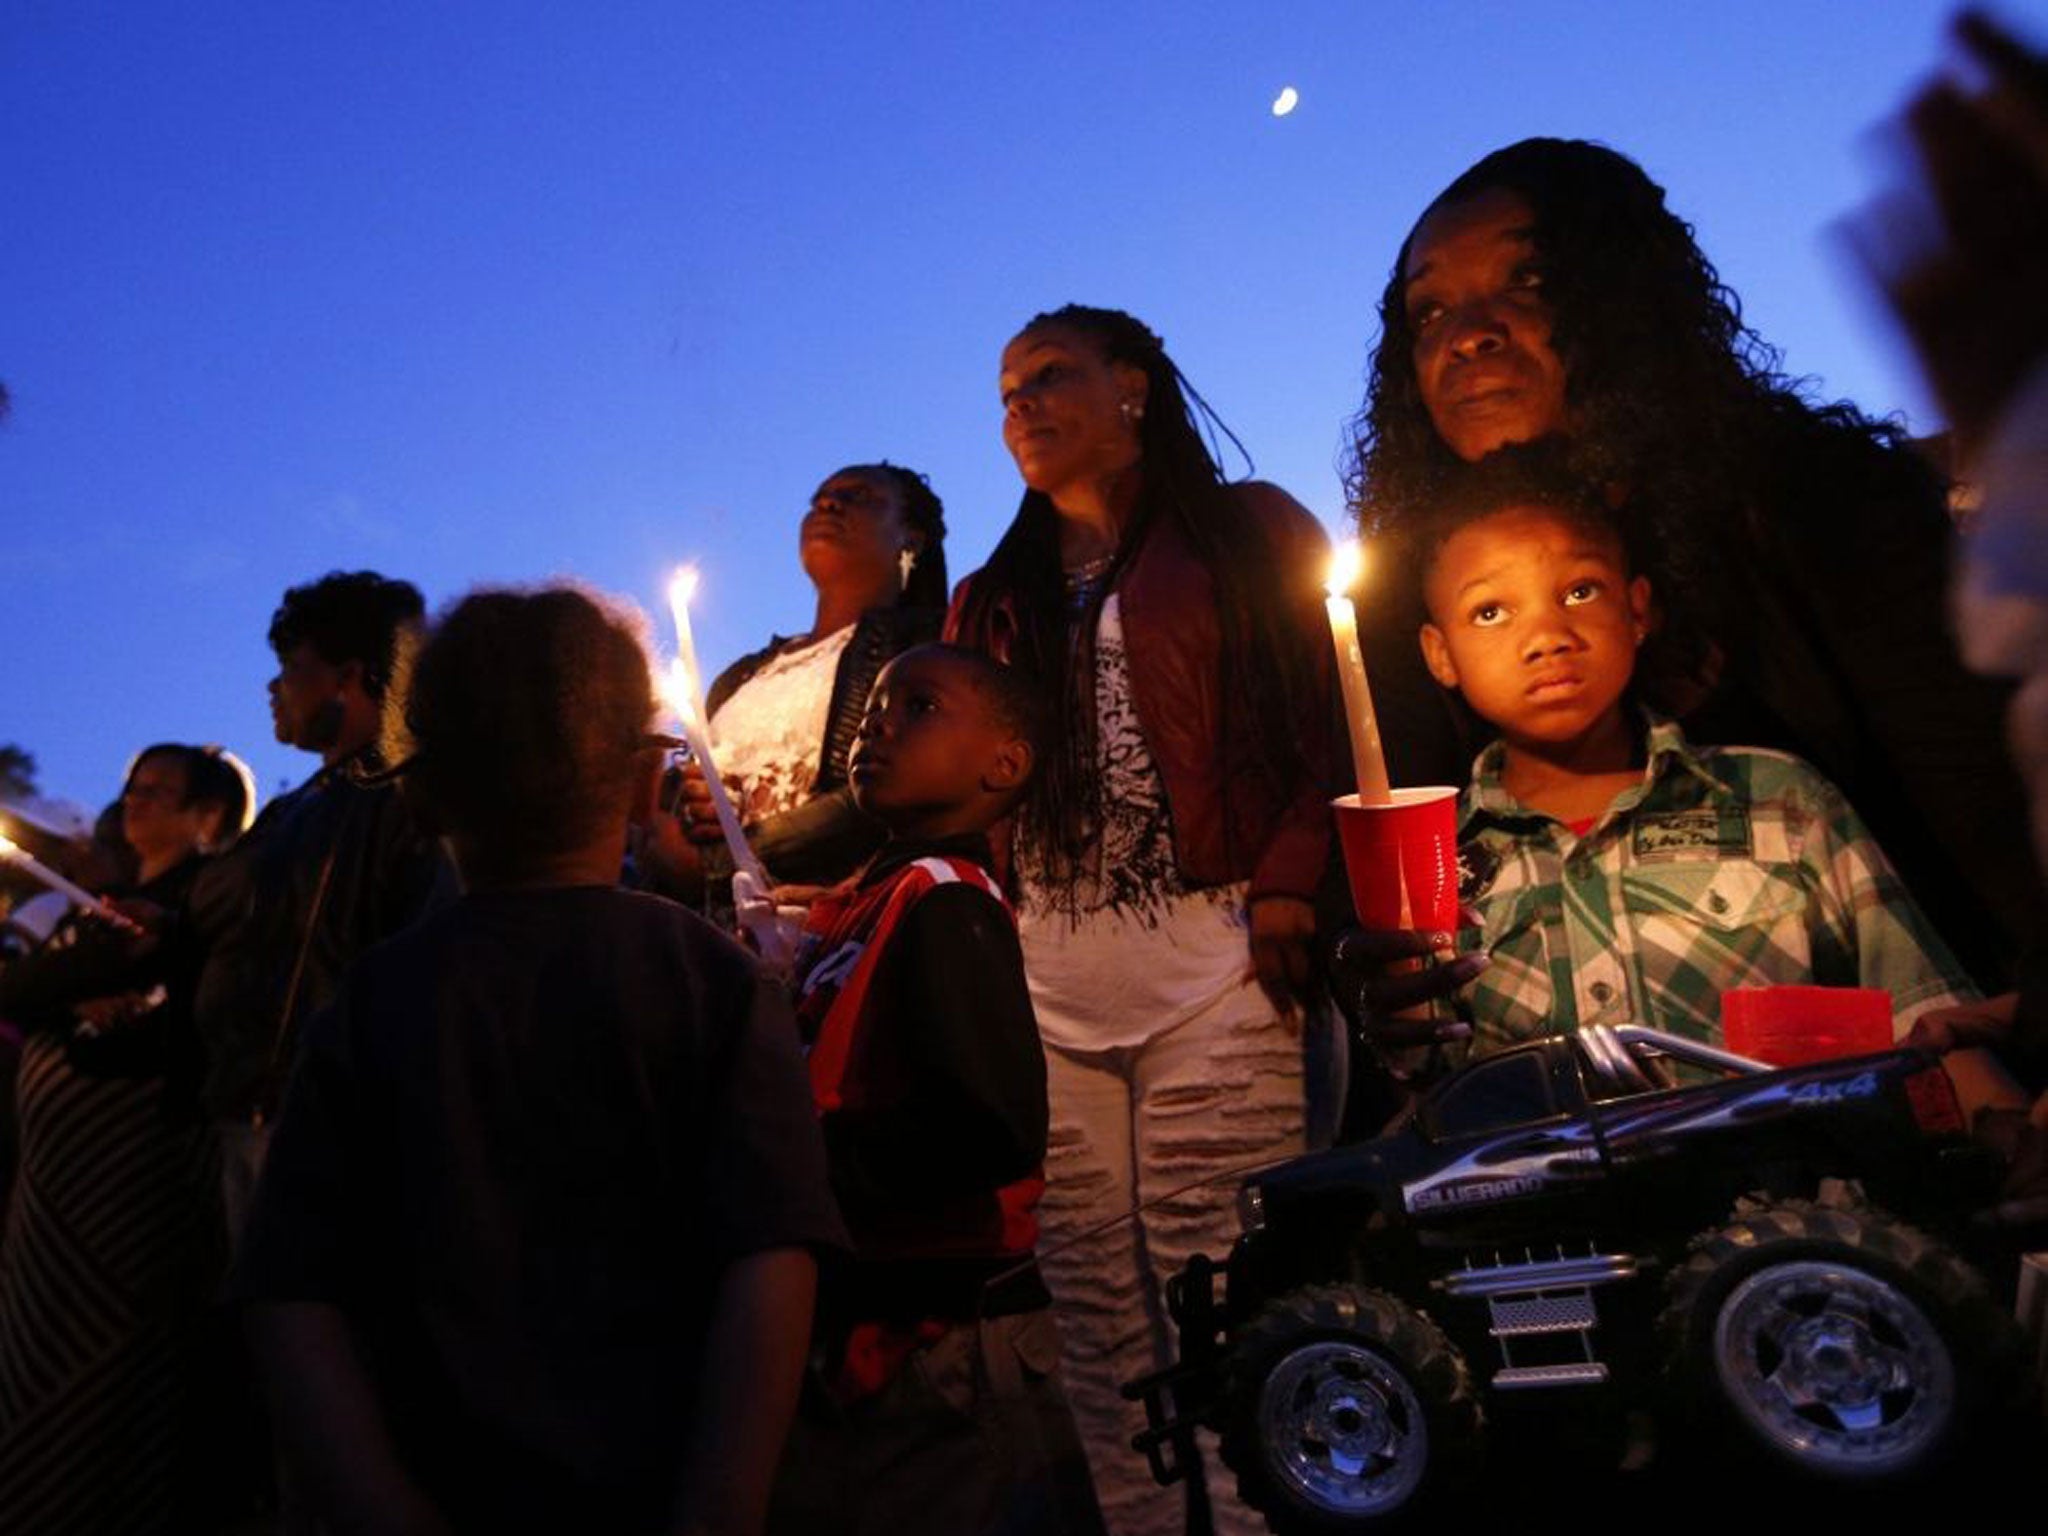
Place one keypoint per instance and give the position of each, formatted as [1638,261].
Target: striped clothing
[1726,867]
[108,1260]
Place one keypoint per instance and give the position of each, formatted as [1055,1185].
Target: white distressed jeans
[1205,1101]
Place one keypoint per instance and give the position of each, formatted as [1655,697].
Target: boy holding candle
[532,1250]
[1620,873]
[936,1405]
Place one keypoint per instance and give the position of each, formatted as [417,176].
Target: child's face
[1535,620]
[929,759]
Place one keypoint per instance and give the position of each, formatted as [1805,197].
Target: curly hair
[926,514]
[527,710]
[349,616]
[1671,396]
[1267,680]
[1538,474]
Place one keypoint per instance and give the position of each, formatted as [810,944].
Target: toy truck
[1780,1257]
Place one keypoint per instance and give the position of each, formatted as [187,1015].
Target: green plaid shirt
[1726,867]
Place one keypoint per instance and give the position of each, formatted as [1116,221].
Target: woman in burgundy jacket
[1168,854]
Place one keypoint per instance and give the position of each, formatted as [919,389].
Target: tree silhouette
[17,772]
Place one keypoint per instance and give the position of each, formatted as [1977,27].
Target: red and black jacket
[929,1081]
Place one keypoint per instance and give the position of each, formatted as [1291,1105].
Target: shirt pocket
[1703,928]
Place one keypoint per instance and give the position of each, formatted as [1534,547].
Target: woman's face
[1473,292]
[1070,415]
[155,818]
[854,532]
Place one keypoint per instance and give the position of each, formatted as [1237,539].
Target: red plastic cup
[1790,1026]
[1402,858]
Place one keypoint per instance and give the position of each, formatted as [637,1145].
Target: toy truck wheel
[1342,1402]
[1840,1342]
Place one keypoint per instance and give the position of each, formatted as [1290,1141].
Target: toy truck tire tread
[1363,1341]
[1831,1340]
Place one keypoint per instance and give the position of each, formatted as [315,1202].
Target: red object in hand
[1402,859]
[1790,1026]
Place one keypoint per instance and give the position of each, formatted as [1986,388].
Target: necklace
[1089,570]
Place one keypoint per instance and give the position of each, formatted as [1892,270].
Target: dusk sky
[483,293]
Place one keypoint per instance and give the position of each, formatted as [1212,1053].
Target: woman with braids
[1798,551]
[1168,852]
[873,544]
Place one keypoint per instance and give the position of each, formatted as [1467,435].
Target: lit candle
[681,588]
[13,853]
[1366,756]
[685,691]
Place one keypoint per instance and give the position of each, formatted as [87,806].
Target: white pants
[1208,1100]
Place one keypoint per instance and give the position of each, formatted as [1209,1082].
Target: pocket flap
[1716,894]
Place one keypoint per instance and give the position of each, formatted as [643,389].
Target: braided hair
[924,513]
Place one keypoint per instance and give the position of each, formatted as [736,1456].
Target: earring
[1131,411]
[906,562]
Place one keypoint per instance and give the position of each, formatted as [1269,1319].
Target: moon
[1285,102]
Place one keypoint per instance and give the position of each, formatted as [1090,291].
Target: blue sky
[470,292]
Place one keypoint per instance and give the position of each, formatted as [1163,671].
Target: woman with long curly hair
[1798,550]
[1169,851]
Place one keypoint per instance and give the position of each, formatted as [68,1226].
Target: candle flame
[8,845]
[1347,564]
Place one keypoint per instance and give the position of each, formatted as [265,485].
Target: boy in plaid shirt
[1622,874]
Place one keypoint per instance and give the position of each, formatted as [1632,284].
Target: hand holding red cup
[1402,860]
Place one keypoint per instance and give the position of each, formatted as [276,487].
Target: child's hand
[1378,976]
[1282,929]
[1986,1023]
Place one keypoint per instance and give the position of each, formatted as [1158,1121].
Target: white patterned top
[767,737]
[1136,952]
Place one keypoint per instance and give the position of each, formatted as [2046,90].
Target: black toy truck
[1777,1256]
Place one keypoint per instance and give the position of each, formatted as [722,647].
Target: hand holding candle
[1367,757]
[13,853]
[685,692]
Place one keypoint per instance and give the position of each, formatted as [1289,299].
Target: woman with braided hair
[1169,850]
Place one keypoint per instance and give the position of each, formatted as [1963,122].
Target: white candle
[13,853]
[750,883]
[685,689]
[1366,756]
[681,588]
[743,856]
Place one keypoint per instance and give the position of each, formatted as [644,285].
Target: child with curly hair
[533,1249]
